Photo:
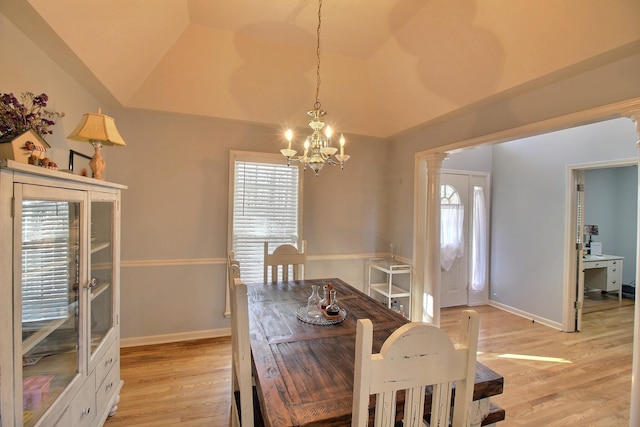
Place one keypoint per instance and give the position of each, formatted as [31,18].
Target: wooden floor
[551,378]
[597,300]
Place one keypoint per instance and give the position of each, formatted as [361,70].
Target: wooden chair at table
[414,356]
[283,257]
[245,410]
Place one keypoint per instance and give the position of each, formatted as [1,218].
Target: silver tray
[302,315]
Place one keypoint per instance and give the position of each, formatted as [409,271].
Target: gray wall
[611,202]
[175,216]
[528,210]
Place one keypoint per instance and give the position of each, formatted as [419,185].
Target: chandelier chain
[317,104]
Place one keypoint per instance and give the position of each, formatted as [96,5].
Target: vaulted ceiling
[386,66]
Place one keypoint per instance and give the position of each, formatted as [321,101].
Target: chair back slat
[414,405]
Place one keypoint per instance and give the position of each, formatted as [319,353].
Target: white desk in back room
[603,272]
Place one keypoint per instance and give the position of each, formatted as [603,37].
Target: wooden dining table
[304,372]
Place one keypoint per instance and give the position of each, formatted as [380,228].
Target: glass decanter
[313,303]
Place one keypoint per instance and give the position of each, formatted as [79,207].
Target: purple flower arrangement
[18,116]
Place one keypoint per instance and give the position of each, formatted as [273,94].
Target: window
[451,226]
[265,207]
[46,254]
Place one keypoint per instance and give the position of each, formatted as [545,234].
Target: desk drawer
[614,277]
[595,264]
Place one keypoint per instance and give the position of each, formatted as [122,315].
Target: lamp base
[97,163]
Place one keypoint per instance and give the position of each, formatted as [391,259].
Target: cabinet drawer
[109,386]
[614,278]
[82,410]
[111,357]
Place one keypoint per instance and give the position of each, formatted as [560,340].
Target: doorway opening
[604,220]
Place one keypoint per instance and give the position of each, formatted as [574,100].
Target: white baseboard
[526,315]
[225,332]
[169,338]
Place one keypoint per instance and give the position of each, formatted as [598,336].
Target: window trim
[259,157]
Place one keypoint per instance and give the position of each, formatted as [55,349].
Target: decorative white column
[431,291]
[634,416]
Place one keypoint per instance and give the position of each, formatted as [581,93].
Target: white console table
[603,272]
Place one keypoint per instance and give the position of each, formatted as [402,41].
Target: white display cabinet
[59,298]
[391,280]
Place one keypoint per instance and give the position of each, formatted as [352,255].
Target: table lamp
[99,130]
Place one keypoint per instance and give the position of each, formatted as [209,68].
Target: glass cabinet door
[50,300]
[101,318]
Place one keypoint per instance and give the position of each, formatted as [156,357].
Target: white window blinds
[45,260]
[265,208]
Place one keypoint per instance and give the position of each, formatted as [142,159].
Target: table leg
[479,411]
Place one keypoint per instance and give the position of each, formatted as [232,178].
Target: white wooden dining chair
[283,257]
[414,356]
[244,411]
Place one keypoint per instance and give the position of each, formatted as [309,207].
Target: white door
[454,239]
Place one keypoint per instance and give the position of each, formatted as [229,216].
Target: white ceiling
[387,66]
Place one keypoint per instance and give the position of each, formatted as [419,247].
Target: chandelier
[318,148]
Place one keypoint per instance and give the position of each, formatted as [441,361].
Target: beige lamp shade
[97,127]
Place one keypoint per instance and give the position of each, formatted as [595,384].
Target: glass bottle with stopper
[324,302]
[332,309]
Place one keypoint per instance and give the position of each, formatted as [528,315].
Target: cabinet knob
[87,411]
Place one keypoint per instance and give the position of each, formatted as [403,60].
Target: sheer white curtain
[451,234]
[479,241]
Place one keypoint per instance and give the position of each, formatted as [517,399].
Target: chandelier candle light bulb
[289,136]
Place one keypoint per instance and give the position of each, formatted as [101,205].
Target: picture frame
[79,163]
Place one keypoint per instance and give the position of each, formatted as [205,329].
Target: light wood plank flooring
[551,378]
[597,300]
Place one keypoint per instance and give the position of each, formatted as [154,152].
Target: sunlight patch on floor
[534,358]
